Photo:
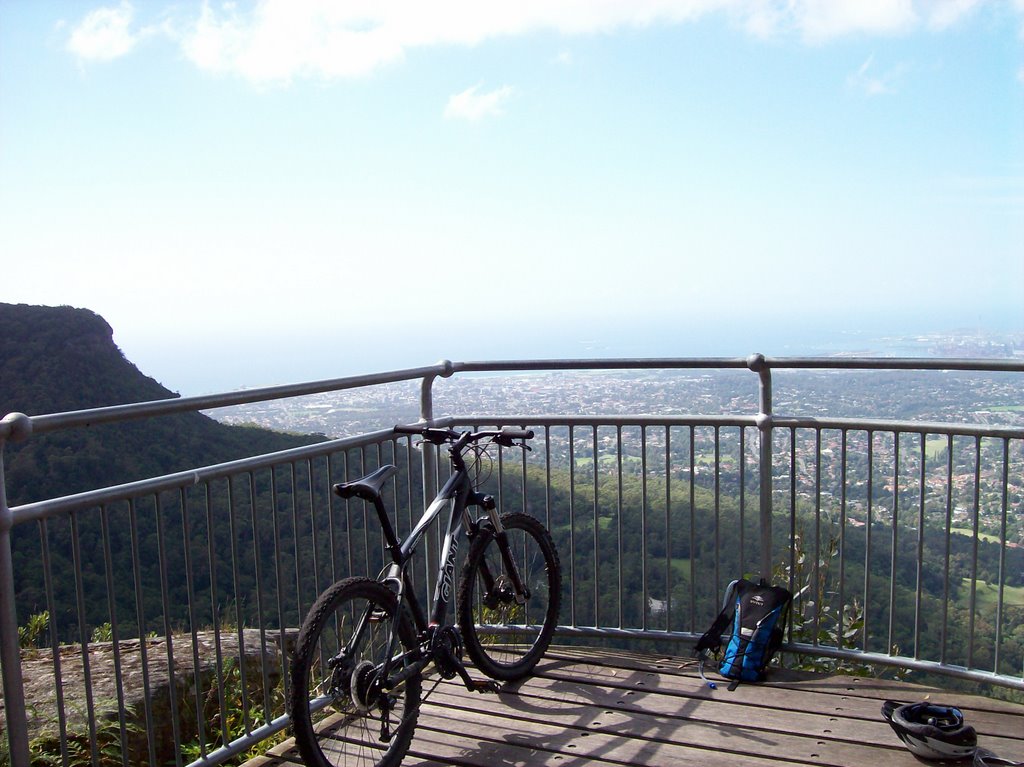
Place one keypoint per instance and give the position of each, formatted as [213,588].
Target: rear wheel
[341,713]
[506,635]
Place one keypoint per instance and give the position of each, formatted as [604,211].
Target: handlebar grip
[511,433]
[409,429]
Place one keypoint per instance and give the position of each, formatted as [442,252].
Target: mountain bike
[366,644]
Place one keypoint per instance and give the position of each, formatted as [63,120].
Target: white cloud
[277,40]
[822,20]
[473,105]
[946,13]
[281,40]
[875,84]
[104,34]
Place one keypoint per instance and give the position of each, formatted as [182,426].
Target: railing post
[427,415]
[757,363]
[15,715]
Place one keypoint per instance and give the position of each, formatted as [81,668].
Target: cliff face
[54,359]
[57,359]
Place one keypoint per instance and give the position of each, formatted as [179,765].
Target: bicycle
[366,644]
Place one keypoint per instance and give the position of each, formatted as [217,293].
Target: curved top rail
[19,426]
[897,363]
[752,362]
[636,363]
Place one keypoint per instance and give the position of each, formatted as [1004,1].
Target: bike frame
[458,494]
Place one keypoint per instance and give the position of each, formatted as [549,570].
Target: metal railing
[189,587]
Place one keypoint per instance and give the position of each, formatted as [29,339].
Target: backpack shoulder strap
[712,638]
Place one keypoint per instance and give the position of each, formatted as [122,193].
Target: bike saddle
[368,487]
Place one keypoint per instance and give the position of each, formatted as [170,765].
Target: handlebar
[505,436]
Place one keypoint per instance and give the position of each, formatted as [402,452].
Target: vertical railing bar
[501,474]
[693,530]
[314,533]
[792,514]
[944,641]
[365,508]
[382,546]
[331,520]
[15,714]
[168,638]
[894,555]
[278,582]
[411,500]
[841,607]
[433,533]
[668,528]
[239,623]
[523,482]
[868,537]
[349,550]
[643,528]
[141,614]
[572,527]
[297,553]
[397,504]
[818,590]
[190,596]
[919,587]
[83,635]
[972,604]
[218,650]
[597,519]
[547,474]
[743,498]
[115,633]
[757,364]
[618,519]
[1001,603]
[524,506]
[718,511]
[54,642]
[258,575]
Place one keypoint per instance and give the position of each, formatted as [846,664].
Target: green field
[935,447]
[970,533]
[987,596]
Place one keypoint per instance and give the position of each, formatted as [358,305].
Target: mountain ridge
[59,359]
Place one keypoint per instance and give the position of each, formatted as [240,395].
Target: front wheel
[506,633]
[341,711]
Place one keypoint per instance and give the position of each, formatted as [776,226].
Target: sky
[254,193]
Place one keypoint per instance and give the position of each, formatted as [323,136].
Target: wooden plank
[655,716]
[604,707]
[834,696]
[781,677]
[485,738]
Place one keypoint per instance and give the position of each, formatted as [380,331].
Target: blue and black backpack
[752,624]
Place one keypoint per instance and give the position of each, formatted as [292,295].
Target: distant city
[960,398]
[929,397]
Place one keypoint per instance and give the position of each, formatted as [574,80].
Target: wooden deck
[605,707]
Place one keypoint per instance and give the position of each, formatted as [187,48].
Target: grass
[987,595]
[935,447]
[987,537]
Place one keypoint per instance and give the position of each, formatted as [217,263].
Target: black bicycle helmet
[931,731]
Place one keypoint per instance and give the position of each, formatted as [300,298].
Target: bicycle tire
[501,637]
[347,730]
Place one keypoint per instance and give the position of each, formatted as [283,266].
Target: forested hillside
[56,359]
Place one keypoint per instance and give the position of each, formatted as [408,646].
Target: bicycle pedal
[483,685]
